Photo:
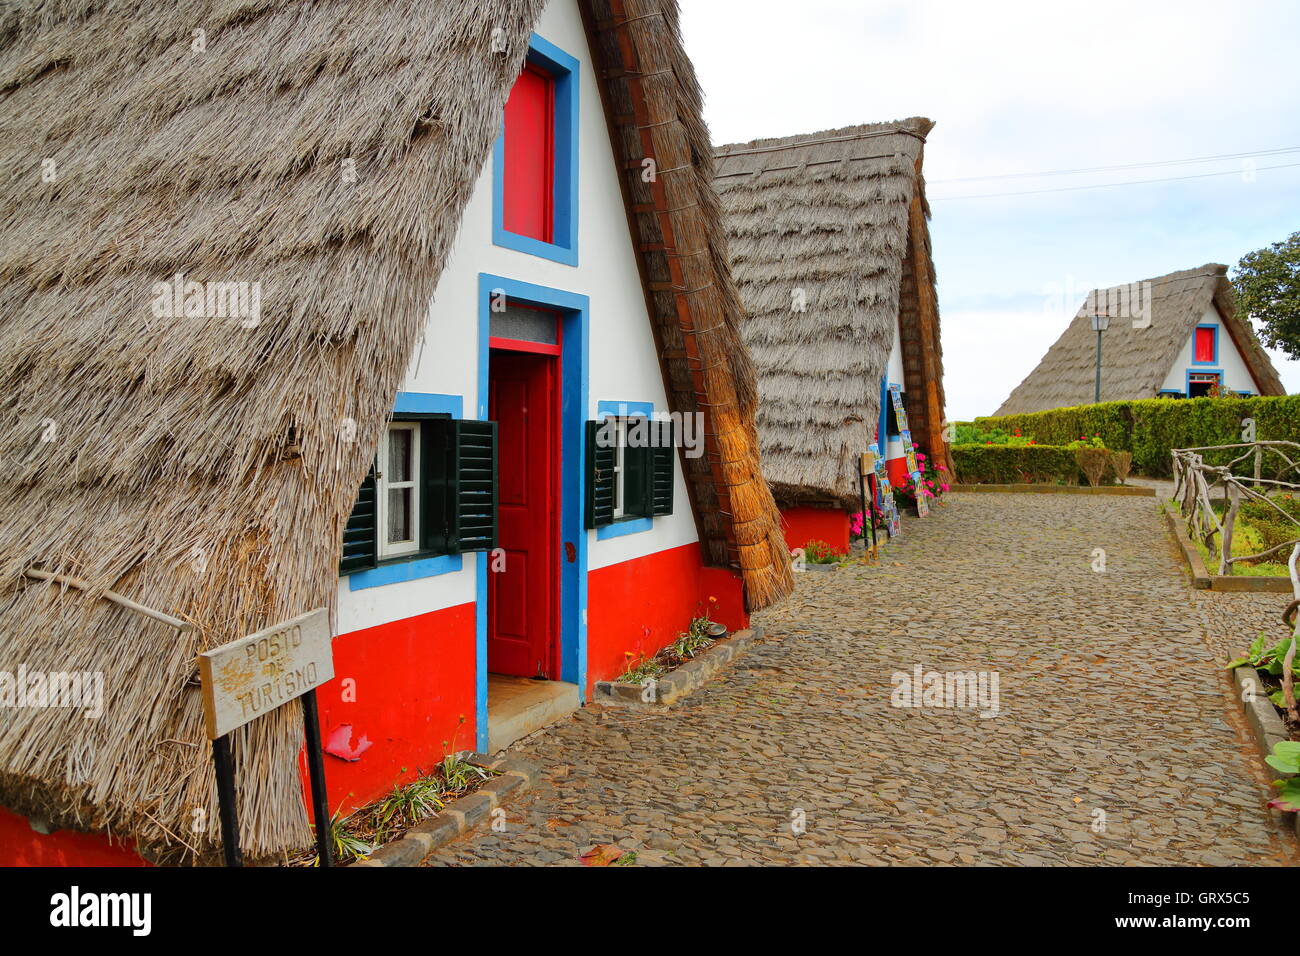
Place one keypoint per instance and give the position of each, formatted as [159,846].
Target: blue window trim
[564,247]
[1187,381]
[575,313]
[1171,391]
[412,569]
[624,526]
[1215,361]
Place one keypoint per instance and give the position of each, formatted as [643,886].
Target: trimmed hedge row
[1152,428]
[1014,464]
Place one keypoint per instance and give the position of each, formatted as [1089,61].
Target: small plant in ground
[458,773]
[1270,660]
[1122,462]
[819,552]
[405,806]
[643,670]
[347,845]
[1092,462]
[1286,758]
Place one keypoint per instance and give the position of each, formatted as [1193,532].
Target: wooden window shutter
[1204,345]
[460,486]
[599,507]
[636,468]
[473,502]
[661,469]
[361,533]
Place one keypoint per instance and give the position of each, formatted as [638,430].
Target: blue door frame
[574,310]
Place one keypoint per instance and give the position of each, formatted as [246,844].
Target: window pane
[399,455]
[399,514]
[523,324]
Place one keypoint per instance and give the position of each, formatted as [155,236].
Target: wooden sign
[256,674]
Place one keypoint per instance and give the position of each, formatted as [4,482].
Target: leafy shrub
[1274,529]
[1014,464]
[1150,429]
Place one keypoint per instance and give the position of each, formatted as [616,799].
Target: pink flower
[944,486]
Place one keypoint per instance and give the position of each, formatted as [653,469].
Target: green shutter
[599,509]
[636,467]
[661,470]
[460,485]
[437,465]
[473,502]
[361,533]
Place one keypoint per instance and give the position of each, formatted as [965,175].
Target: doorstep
[519,706]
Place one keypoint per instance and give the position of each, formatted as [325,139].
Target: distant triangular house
[830,247]
[365,306]
[1174,336]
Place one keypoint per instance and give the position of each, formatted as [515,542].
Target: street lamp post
[1099,324]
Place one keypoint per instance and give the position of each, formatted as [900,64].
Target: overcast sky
[1027,87]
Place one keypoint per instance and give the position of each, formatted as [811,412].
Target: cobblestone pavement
[1112,701]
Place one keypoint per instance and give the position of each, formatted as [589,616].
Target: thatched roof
[1136,360]
[199,467]
[837,217]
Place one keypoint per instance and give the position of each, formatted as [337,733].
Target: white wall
[895,369]
[623,365]
[1236,376]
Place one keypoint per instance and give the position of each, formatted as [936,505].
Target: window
[1205,350]
[529,166]
[629,470]
[1201,384]
[397,482]
[432,490]
[535,161]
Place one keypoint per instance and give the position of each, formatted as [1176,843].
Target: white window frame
[383,485]
[620,445]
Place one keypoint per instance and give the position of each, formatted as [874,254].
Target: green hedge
[1014,464]
[1152,428]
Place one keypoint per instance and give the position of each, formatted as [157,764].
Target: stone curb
[1123,491]
[513,777]
[676,685]
[1266,726]
[1203,580]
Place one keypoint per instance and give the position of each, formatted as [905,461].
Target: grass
[1245,540]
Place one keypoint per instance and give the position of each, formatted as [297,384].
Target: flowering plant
[934,481]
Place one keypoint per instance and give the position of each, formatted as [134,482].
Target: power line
[1133,182]
[1106,169]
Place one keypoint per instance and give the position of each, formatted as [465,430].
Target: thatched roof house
[831,250]
[326,151]
[1150,347]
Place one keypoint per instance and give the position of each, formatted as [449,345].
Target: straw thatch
[1136,359]
[833,222]
[204,468]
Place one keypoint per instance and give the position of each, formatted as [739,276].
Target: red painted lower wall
[805,524]
[643,605]
[896,469]
[408,687]
[20,845]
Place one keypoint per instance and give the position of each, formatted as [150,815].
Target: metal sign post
[253,676]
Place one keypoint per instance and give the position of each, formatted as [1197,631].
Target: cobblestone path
[1112,701]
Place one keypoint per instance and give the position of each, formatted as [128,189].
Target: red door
[523,596]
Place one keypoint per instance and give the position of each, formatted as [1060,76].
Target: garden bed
[1195,555]
[1268,725]
[385,821]
[668,685]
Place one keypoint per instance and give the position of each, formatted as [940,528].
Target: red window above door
[1205,345]
[528,207]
